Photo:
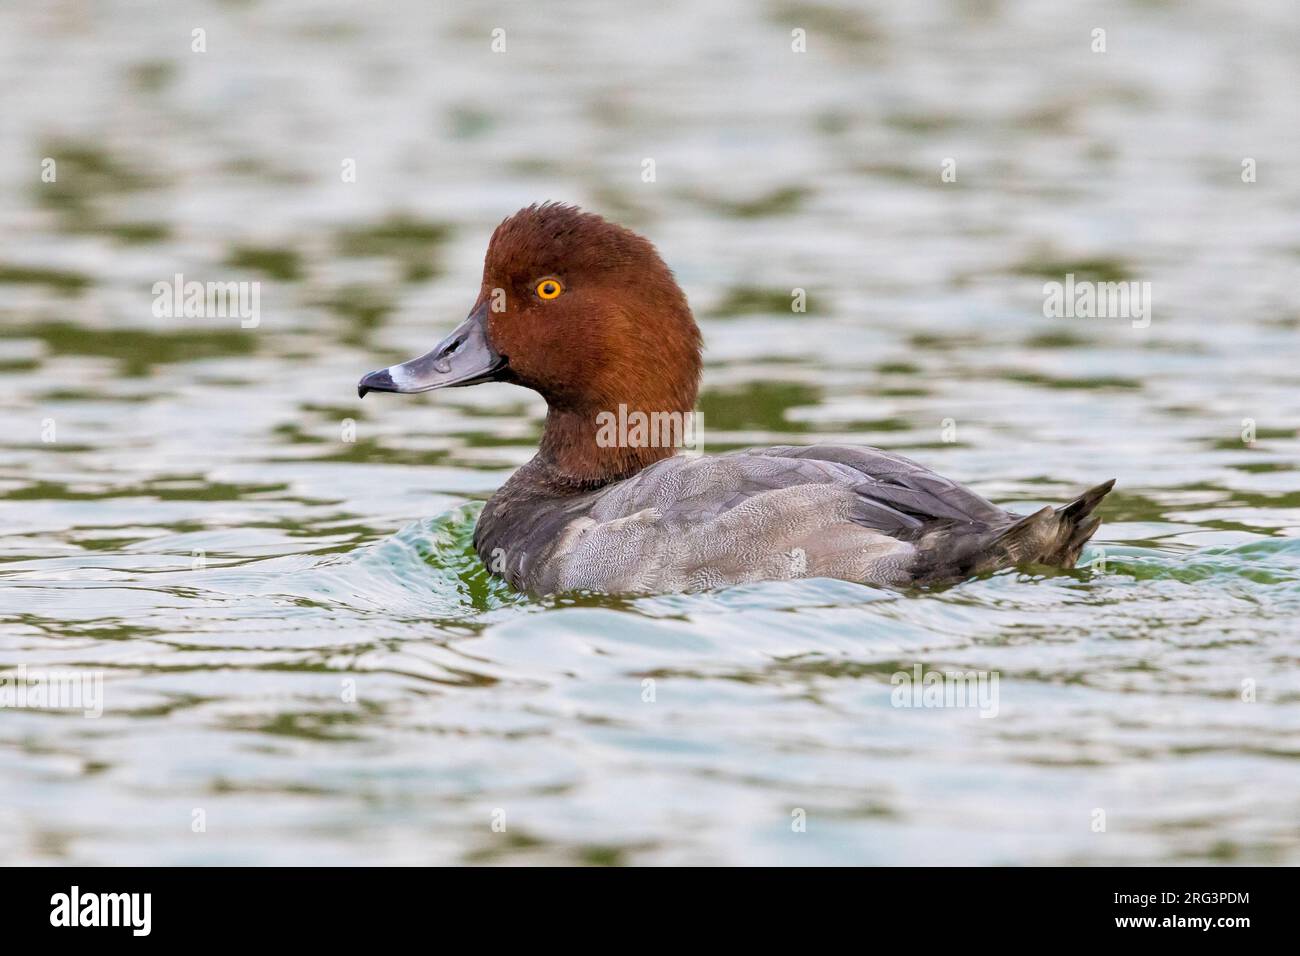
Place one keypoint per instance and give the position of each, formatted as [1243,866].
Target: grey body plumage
[686,524]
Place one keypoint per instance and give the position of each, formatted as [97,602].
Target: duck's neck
[585,448]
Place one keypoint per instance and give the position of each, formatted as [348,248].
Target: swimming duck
[585,312]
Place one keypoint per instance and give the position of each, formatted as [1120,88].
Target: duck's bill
[465,357]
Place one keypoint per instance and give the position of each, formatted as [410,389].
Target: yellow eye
[549,289]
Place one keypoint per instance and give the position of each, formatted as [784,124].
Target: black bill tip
[379,381]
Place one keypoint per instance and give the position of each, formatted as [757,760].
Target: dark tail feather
[1053,537]
[1083,505]
[1078,524]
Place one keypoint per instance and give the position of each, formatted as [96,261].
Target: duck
[584,312]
